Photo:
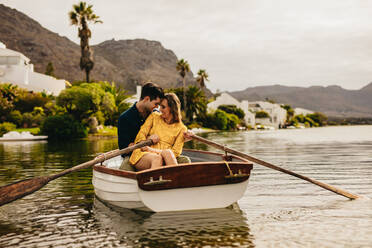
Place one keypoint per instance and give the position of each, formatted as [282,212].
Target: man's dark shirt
[129,125]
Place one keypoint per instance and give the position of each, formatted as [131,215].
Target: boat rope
[99,156]
[224,148]
[228,167]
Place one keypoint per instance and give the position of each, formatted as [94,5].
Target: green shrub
[8,94]
[232,109]
[194,125]
[15,117]
[232,121]
[26,102]
[220,119]
[319,119]
[100,117]
[206,120]
[63,127]
[262,114]
[6,127]
[27,119]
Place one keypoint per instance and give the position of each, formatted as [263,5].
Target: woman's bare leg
[149,160]
[168,157]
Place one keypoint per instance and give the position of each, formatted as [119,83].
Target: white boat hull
[118,191]
[131,190]
[216,196]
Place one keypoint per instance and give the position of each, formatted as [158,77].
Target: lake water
[277,210]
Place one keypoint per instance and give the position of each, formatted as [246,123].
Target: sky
[240,43]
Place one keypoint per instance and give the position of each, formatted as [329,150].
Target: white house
[226,99]
[277,114]
[136,97]
[302,111]
[15,68]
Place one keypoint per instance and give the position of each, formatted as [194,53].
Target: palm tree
[183,67]
[80,16]
[197,103]
[202,77]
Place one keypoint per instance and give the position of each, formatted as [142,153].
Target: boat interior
[196,156]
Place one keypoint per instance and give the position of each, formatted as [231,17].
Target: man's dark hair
[152,90]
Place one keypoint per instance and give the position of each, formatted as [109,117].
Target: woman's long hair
[175,106]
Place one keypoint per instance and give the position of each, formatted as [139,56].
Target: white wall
[14,74]
[15,69]
[24,77]
[226,99]
[299,111]
[277,114]
[223,99]
[47,83]
[136,97]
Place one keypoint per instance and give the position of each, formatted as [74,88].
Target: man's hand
[188,135]
[154,138]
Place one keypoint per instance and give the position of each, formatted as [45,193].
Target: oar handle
[274,167]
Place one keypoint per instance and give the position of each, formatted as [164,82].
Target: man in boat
[132,119]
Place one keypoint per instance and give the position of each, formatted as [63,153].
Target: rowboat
[211,180]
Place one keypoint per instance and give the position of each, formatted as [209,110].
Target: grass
[106,131]
[34,130]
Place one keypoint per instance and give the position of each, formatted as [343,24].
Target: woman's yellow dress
[170,136]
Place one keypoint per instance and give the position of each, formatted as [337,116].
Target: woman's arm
[150,149]
[178,144]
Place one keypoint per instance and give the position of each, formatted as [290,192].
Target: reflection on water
[203,228]
[277,210]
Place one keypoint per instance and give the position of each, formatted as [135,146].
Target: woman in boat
[170,129]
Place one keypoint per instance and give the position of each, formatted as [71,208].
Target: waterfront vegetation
[95,107]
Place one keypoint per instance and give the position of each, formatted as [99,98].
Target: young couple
[165,129]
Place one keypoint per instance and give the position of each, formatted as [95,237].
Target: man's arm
[123,137]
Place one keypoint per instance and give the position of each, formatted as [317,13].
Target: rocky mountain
[334,101]
[125,62]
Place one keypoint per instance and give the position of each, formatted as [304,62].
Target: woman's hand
[145,149]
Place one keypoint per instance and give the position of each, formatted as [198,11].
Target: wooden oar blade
[14,191]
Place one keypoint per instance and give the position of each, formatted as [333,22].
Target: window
[9,60]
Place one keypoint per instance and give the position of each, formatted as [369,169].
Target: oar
[14,191]
[271,166]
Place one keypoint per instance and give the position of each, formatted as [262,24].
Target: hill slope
[126,62]
[332,100]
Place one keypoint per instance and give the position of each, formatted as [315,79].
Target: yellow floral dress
[170,136]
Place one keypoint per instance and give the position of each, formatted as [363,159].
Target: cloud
[240,43]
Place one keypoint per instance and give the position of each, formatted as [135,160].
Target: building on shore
[277,115]
[302,111]
[227,99]
[136,97]
[15,68]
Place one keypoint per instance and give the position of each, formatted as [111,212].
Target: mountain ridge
[137,60]
[333,100]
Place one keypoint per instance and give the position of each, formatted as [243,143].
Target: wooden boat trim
[217,154]
[133,175]
[115,172]
[193,175]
